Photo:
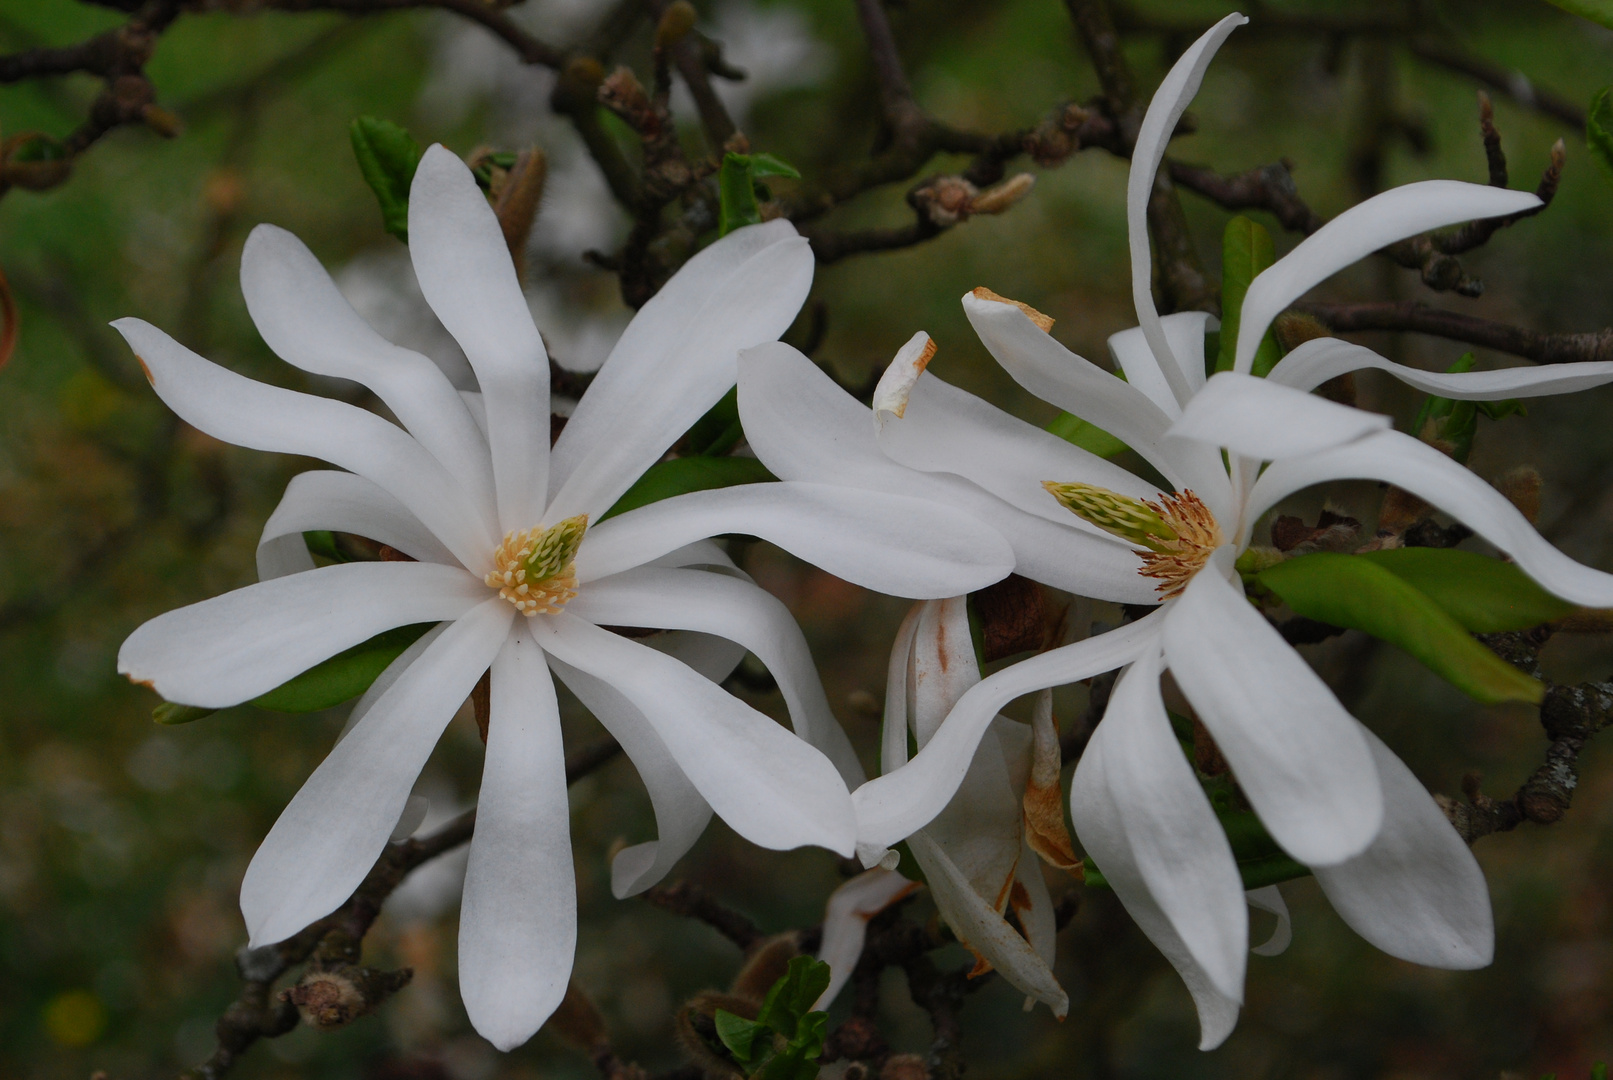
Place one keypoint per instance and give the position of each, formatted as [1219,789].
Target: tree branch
[1417,317]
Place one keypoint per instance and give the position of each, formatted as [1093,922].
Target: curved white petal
[889,543]
[676,359]
[467,277]
[518,918]
[233,647]
[309,323]
[1261,419]
[1269,898]
[1417,892]
[1033,906]
[1358,232]
[346,502]
[900,803]
[770,786]
[681,814]
[1176,851]
[1185,332]
[1164,110]
[1298,755]
[1425,472]
[258,416]
[1315,362]
[898,673]
[845,923]
[675,599]
[391,674]
[1092,807]
[330,834]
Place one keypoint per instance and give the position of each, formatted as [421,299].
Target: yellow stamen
[533,568]
[1178,533]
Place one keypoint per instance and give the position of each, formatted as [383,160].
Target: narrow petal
[1042,804]
[728,607]
[769,786]
[255,415]
[900,803]
[518,919]
[894,729]
[345,502]
[1261,419]
[845,923]
[467,277]
[1417,892]
[679,362]
[1166,108]
[1095,809]
[1270,899]
[1176,848]
[892,544]
[1399,459]
[308,322]
[233,647]
[1297,754]
[330,834]
[942,664]
[1315,362]
[392,673]
[1358,232]
[1185,332]
[681,814]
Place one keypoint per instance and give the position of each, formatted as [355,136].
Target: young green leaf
[1089,437]
[1246,250]
[736,193]
[1357,593]
[344,676]
[1599,127]
[1454,423]
[792,997]
[387,156]
[679,476]
[770,165]
[1485,595]
[738,1034]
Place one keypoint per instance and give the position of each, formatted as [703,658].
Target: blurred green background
[122,844]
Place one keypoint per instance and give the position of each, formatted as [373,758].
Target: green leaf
[1455,422]
[344,676]
[1089,437]
[1599,1071]
[387,156]
[1597,11]
[1599,128]
[770,165]
[715,433]
[736,194]
[792,997]
[1246,250]
[679,476]
[738,1034]
[171,713]
[322,542]
[1485,595]
[1349,591]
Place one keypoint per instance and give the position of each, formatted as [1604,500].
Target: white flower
[521,580]
[1327,790]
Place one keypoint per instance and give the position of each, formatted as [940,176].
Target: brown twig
[1415,316]
[691,901]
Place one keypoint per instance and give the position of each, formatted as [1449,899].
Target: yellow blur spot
[75,1018]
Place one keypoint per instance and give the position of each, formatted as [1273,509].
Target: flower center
[533,567]
[1177,534]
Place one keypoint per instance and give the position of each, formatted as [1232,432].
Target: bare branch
[1415,316]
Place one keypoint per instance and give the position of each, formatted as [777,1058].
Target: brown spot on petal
[1045,830]
[143,367]
[142,682]
[1043,322]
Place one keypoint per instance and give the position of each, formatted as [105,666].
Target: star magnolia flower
[522,577]
[1327,790]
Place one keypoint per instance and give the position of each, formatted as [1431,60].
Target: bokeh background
[122,844]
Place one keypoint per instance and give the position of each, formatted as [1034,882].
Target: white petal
[1177,851]
[1417,892]
[1270,899]
[845,923]
[712,656]
[1185,330]
[1035,912]
[330,834]
[1315,362]
[664,598]
[681,814]
[676,359]
[769,786]
[896,384]
[1358,232]
[307,322]
[1093,807]
[942,664]
[255,415]
[1425,472]
[1297,754]
[345,502]
[1261,419]
[900,803]
[233,647]
[518,919]
[1166,108]
[896,723]
[467,277]
[889,543]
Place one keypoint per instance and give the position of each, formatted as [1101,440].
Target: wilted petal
[1270,899]
[1315,362]
[896,384]
[518,919]
[1261,419]
[345,502]
[845,923]
[1297,754]
[467,277]
[330,834]
[1417,892]
[1045,830]
[233,647]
